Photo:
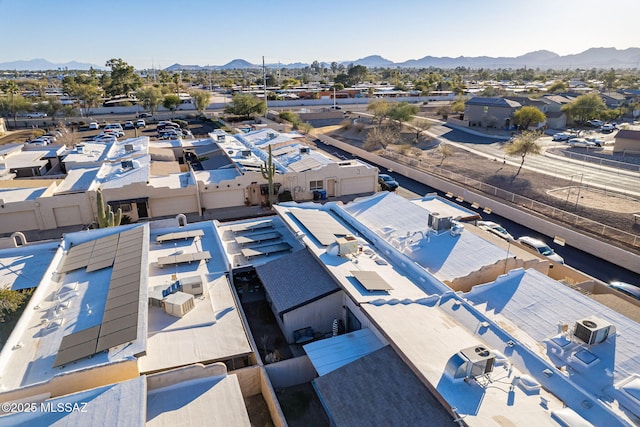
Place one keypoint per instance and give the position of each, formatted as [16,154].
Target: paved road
[596,267]
[607,178]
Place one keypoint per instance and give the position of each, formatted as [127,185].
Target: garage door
[173,206]
[357,185]
[18,221]
[68,215]
[223,199]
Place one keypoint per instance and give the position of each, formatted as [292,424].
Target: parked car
[128,124]
[541,247]
[608,127]
[144,115]
[39,141]
[113,131]
[561,136]
[165,124]
[581,142]
[597,141]
[105,138]
[387,183]
[494,228]
[627,288]
[36,115]
[116,126]
[140,124]
[595,123]
[94,125]
[170,134]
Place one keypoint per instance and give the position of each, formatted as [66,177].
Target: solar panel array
[305,165]
[321,225]
[120,318]
[371,280]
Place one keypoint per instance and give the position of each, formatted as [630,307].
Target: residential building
[627,141]
[146,179]
[490,112]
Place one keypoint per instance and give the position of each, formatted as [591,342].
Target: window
[316,185]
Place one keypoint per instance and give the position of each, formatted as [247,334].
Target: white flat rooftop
[213,329]
[214,401]
[25,266]
[63,304]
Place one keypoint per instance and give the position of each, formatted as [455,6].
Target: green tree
[527,116]
[244,104]
[123,78]
[171,102]
[522,145]
[585,107]
[52,106]
[379,108]
[402,112]
[557,87]
[201,99]
[10,301]
[151,98]
[11,88]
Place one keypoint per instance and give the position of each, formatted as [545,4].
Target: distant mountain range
[40,64]
[601,57]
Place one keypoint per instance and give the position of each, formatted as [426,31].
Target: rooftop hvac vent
[479,360]
[304,150]
[80,148]
[221,137]
[128,148]
[245,153]
[439,223]
[127,164]
[592,330]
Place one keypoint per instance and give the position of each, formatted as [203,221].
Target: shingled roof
[295,280]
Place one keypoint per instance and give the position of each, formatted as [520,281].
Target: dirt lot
[606,208]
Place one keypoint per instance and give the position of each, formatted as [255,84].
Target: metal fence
[560,215]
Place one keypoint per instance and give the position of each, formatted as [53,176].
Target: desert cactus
[106,217]
[268,170]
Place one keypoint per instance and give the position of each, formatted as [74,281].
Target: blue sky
[214,32]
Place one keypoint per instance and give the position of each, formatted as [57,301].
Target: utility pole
[264,85]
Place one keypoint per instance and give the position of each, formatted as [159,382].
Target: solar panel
[179,235]
[265,250]
[72,354]
[120,318]
[107,341]
[371,280]
[120,311]
[252,227]
[80,337]
[320,224]
[305,164]
[257,237]
[119,324]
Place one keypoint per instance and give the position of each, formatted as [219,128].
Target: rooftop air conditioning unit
[271,135]
[439,223]
[126,164]
[479,360]
[246,153]
[128,148]
[592,330]
[80,148]
[221,137]
[347,245]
